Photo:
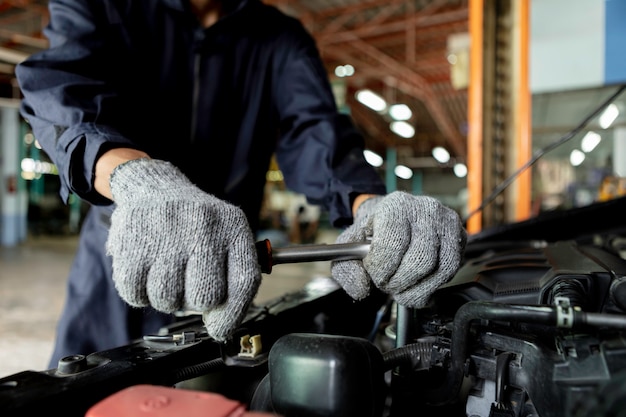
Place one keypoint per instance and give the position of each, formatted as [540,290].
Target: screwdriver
[268,256]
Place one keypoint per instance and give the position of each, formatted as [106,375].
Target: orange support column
[523,126]
[475,116]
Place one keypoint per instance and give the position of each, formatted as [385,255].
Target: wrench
[269,256]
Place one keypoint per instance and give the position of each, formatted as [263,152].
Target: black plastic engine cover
[535,275]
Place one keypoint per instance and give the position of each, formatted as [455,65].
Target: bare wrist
[360,199]
[107,163]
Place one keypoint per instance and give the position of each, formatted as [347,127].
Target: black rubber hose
[477,310]
[502,367]
[612,321]
[414,354]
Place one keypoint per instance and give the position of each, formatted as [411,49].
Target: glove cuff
[146,176]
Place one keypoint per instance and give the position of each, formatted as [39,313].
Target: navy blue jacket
[217,102]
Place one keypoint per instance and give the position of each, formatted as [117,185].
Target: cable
[541,152]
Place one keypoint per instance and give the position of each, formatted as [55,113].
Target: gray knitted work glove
[417,245]
[175,247]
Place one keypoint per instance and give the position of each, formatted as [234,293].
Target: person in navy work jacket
[164,114]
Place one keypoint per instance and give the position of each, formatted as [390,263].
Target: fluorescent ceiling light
[460,170]
[403,129]
[608,116]
[400,112]
[344,70]
[373,158]
[441,155]
[403,172]
[590,141]
[372,100]
[576,157]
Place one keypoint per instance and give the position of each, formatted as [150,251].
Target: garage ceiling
[399,49]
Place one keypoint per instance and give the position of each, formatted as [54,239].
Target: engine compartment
[531,325]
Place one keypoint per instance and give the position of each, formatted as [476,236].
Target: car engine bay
[532,324]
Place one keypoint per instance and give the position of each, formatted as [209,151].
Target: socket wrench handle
[268,256]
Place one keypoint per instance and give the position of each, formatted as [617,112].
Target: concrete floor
[32,293]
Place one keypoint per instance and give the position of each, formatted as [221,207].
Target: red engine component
[158,401]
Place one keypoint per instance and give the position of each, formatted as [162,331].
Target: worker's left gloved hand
[174,246]
[417,244]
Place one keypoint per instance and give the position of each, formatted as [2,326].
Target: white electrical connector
[250,346]
[564,312]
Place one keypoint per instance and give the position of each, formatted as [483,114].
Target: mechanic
[164,115]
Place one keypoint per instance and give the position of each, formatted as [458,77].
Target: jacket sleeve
[65,97]
[320,151]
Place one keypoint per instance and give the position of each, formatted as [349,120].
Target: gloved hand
[175,247]
[416,245]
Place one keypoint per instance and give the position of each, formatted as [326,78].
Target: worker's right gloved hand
[175,247]
[417,244]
